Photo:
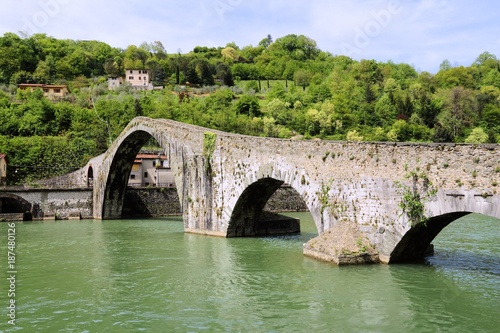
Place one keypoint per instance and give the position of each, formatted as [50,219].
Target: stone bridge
[224,180]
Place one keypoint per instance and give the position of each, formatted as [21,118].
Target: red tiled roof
[140,157]
[150,156]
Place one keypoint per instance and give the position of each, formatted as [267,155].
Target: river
[149,276]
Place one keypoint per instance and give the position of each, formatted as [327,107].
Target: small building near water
[151,169]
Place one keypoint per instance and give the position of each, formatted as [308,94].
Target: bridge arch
[114,172]
[90,176]
[256,190]
[417,242]
[249,207]
[14,204]
[414,245]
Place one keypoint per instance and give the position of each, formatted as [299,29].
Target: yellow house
[49,90]
[3,169]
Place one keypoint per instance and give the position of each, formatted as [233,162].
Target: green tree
[478,135]
[458,112]
[135,57]
[229,54]
[445,65]
[249,53]
[385,111]
[296,47]
[266,42]
[223,73]
[302,78]
[248,105]
[455,77]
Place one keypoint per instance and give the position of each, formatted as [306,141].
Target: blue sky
[421,33]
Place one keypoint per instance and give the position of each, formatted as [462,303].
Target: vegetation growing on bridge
[415,196]
[278,88]
[324,196]
[209,140]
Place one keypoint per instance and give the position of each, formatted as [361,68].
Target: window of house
[145,175]
[140,78]
[131,72]
[57,91]
[45,90]
[132,176]
[130,77]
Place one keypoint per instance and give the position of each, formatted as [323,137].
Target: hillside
[279,88]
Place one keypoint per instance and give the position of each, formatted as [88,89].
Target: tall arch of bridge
[113,170]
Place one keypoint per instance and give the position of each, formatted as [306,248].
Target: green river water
[149,276]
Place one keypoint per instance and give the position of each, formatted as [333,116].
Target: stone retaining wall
[139,202]
[154,202]
[151,202]
[10,217]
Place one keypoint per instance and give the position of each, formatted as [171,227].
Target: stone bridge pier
[224,181]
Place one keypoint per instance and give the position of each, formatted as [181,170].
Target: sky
[421,33]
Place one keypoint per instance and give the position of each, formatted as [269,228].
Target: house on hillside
[49,90]
[114,82]
[151,169]
[139,79]
[3,169]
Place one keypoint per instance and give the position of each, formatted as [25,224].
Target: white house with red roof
[151,169]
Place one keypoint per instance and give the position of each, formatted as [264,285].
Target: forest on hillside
[285,88]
